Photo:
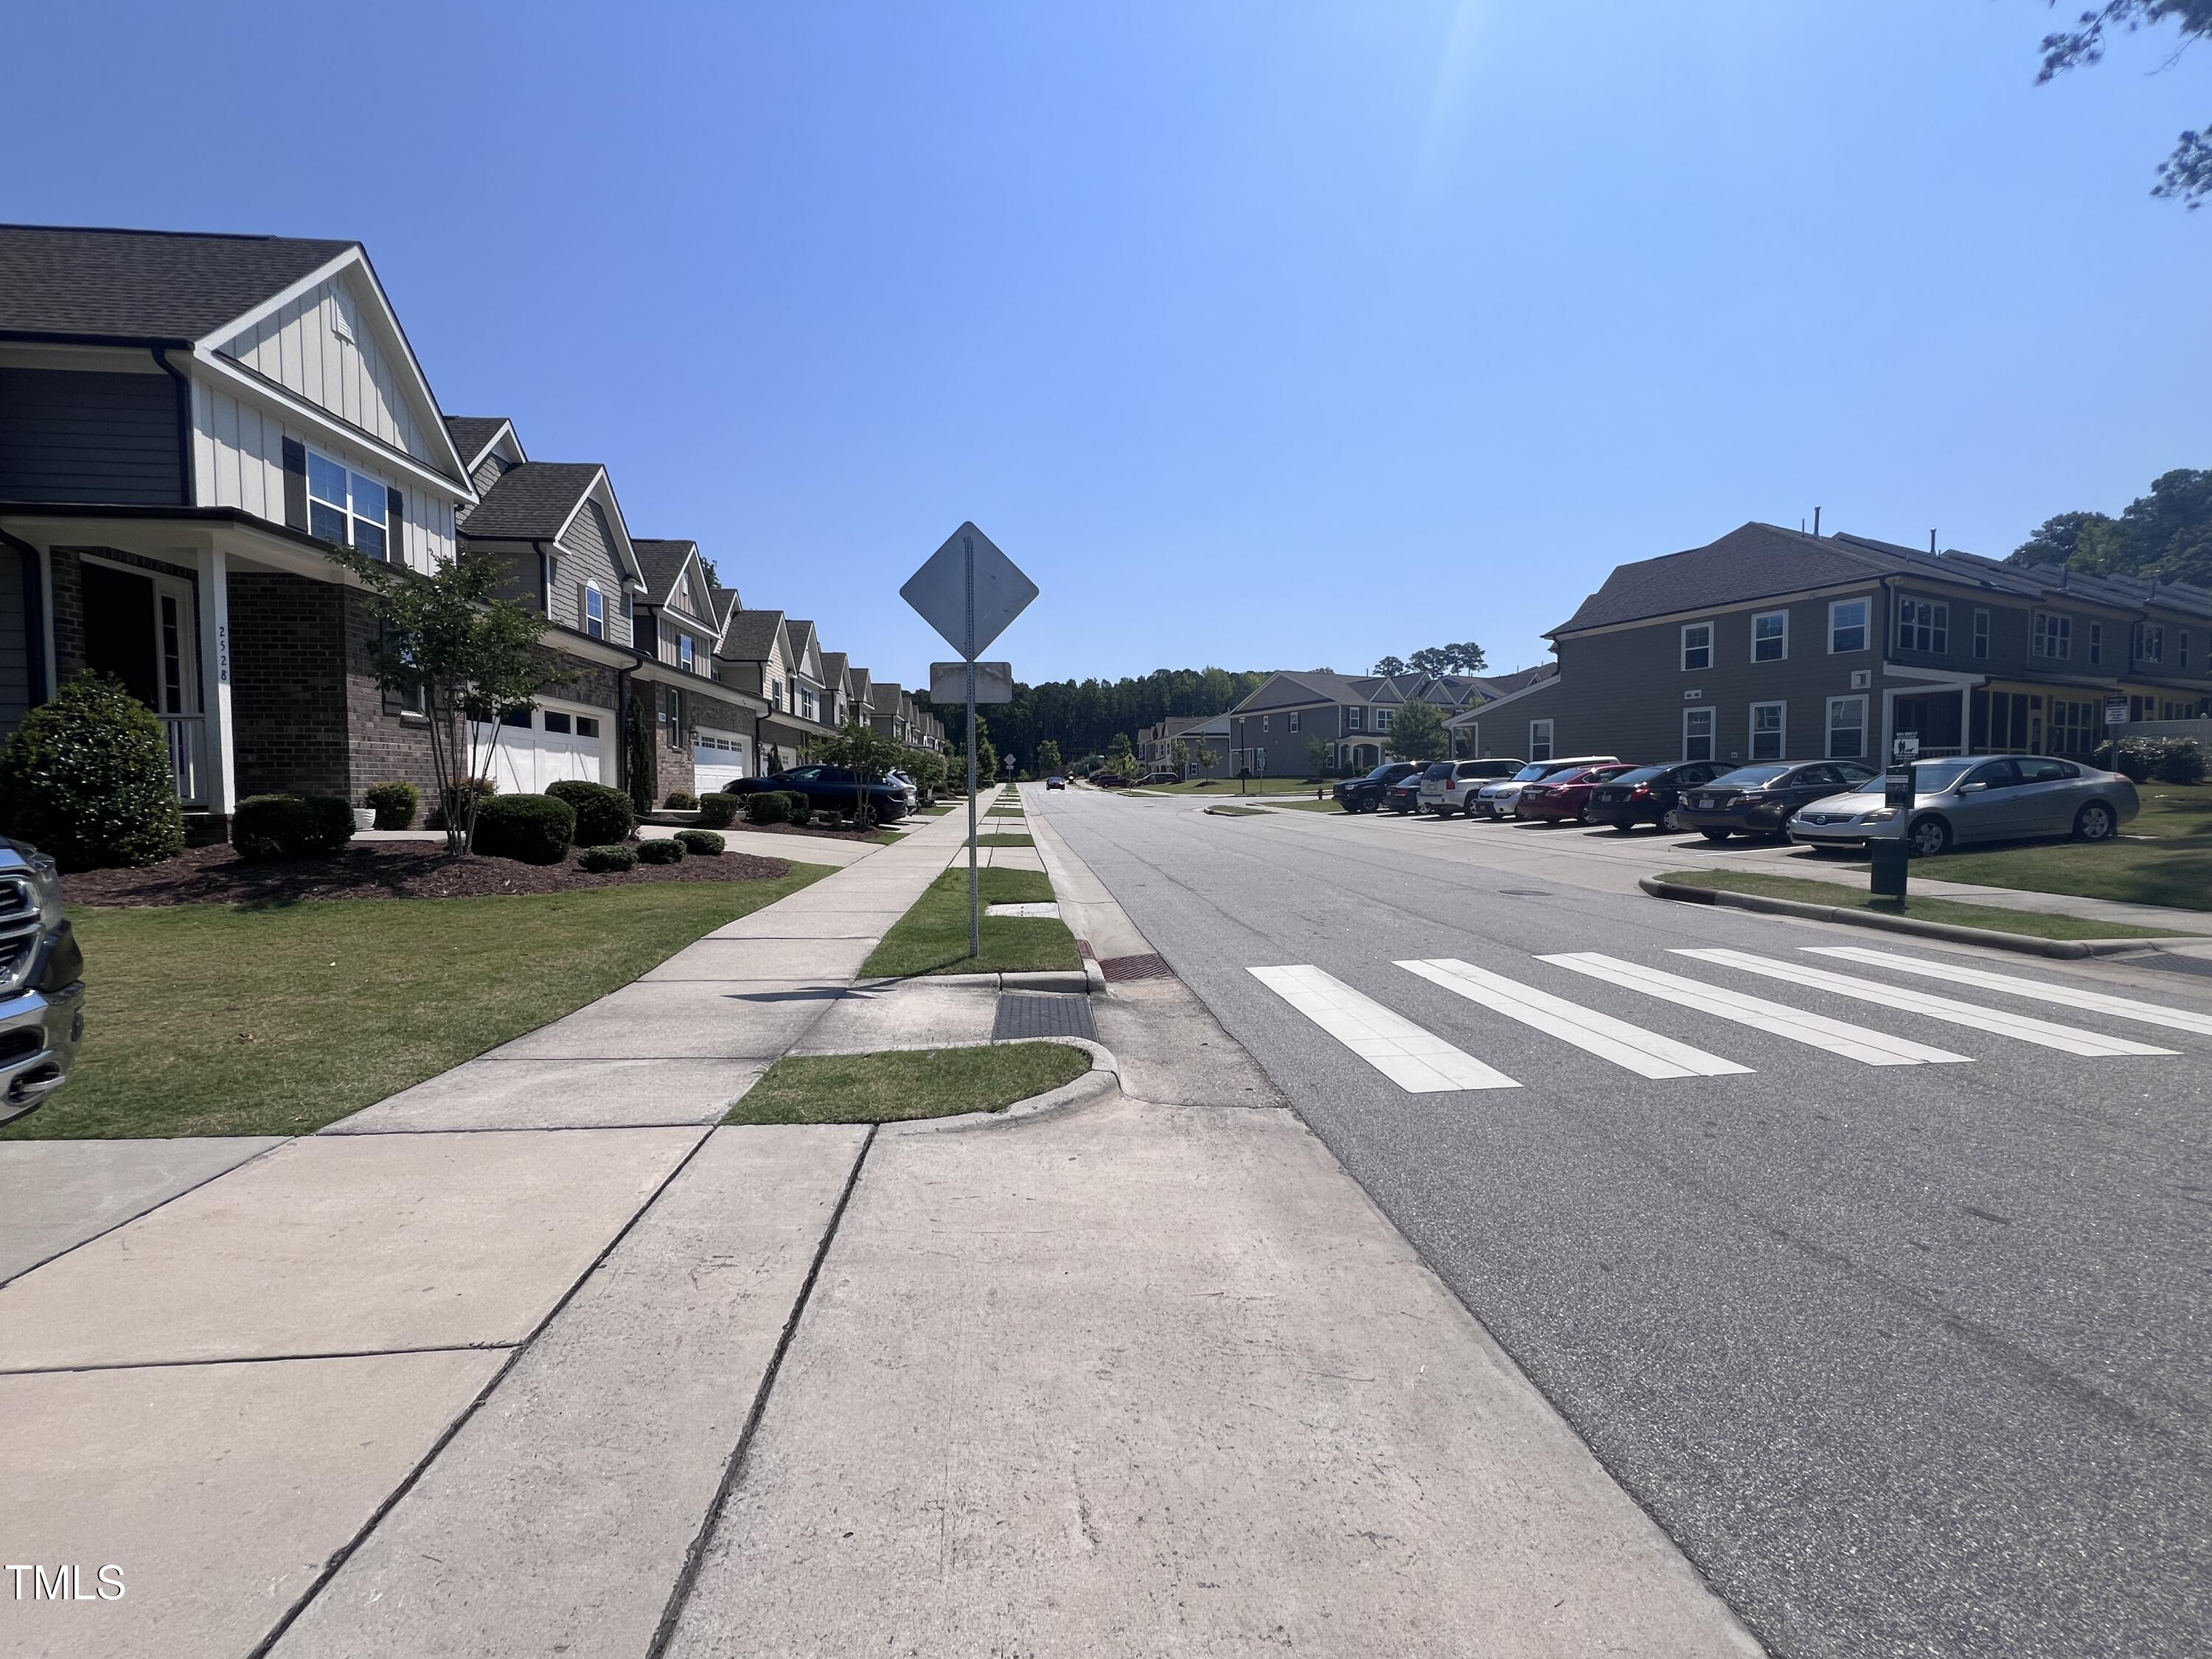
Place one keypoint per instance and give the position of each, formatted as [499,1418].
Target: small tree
[1048,757]
[1317,757]
[640,754]
[1207,759]
[1417,733]
[1119,756]
[865,753]
[1179,758]
[986,757]
[466,657]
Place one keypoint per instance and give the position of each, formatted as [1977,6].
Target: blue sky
[1261,335]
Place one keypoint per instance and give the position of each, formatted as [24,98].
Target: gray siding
[14,642]
[587,554]
[488,471]
[78,436]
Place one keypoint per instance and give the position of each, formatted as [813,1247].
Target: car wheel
[1670,822]
[1715,834]
[1929,838]
[2095,822]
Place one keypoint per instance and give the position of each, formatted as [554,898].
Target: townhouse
[1271,731]
[1771,644]
[191,424]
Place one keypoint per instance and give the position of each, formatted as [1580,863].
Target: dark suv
[1365,794]
[830,789]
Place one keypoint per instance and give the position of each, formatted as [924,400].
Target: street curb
[1103,1078]
[1068,979]
[2026,944]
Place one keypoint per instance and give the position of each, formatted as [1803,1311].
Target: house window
[1382,720]
[587,725]
[517,717]
[1847,718]
[1540,740]
[2150,642]
[2054,637]
[1770,636]
[595,611]
[1923,625]
[1766,727]
[683,658]
[2096,642]
[344,507]
[775,693]
[1292,717]
[672,716]
[557,722]
[1696,646]
[1267,722]
[1847,625]
[1981,636]
[1697,734]
[1352,717]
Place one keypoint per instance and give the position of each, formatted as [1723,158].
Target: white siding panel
[203,444]
[251,495]
[227,490]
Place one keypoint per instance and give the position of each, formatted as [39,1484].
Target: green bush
[704,842]
[482,789]
[530,829]
[681,800]
[766,806]
[797,808]
[620,855]
[660,850]
[603,815]
[290,826]
[719,811]
[86,778]
[2180,760]
[395,804]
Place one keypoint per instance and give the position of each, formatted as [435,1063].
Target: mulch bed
[217,875]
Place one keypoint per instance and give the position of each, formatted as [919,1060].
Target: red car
[1564,794]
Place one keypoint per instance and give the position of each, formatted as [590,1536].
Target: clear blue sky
[1262,335]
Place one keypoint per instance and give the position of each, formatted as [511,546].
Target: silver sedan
[1974,797]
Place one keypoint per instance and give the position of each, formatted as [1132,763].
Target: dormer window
[344,507]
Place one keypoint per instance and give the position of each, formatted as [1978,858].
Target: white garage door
[718,759]
[551,743]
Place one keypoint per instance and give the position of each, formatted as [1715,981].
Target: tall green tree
[1390,667]
[2185,175]
[2165,535]
[1463,657]
[1417,733]
[1048,757]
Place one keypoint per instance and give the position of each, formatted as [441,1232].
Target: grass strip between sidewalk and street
[987,839]
[2038,924]
[1311,806]
[905,1084]
[931,937]
[1220,810]
[206,1019]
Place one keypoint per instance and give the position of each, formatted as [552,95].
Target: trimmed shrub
[681,800]
[290,826]
[620,855]
[765,806]
[603,815]
[529,829]
[2181,760]
[660,850]
[827,820]
[796,807]
[704,842]
[482,789]
[86,778]
[719,811]
[395,804]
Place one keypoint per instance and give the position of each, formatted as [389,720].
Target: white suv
[1449,786]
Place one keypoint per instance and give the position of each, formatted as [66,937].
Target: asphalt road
[1911,1359]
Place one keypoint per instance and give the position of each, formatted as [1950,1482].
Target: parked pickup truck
[41,982]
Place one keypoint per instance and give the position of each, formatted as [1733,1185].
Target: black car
[831,789]
[1760,800]
[1365,794]
[1405,795]
[1648,794]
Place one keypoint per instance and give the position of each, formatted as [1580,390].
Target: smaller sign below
[948,683]
[2116,711]
[1903,748]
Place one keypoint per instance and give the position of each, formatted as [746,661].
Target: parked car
[831,789]
[1055,782]
[1760,800]
[1498,800]
[1404,794]
[1161,777]
[1109,781]
[1970,799]
[41,982]
[1449,786]
[1649,793]
[1365,794]
[1564,794]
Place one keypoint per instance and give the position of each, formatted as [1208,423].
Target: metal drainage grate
[1023,1014]
[1144,967]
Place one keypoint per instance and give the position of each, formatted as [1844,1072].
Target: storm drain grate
[1023,1014]
[1144,967]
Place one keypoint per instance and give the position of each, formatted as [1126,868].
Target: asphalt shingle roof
[1748,563]
[143,284]
[531,501]
[472,433]
[752,634]
[662,561]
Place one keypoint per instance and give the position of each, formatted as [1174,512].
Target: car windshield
[1643,775]
[1933,777]
[1438,770]
[1529,774]
[1752,777]
[1380,773]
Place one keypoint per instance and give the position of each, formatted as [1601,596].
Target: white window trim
[1546,744]
[1979,640]
[2096,644]
[1865,624]
[1909,605]
[1382,720]
[1828,728]
[345,508]
[1758,617]
[1781,731]
[590,593]
[1354,719]
[1711,733]
[1293,718]
[2052,626]
[1712,634]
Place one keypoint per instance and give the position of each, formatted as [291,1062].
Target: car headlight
[1881,815]
[46,883]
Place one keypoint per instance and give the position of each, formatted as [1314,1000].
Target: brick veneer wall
[288,685]
[69,613]
[381,747]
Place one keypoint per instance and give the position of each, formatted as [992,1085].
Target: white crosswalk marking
[2071,996]
[1645,1052]
[1815,1030]
[2068,1039]
[1415,1059]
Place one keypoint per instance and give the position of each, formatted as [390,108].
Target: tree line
[2165,536]
[1084,717]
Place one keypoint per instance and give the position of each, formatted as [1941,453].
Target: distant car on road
[1055,782]
[1365,794]
[1564,794]
[1649,793]
[1161,777]
[830,788]
[1975,798]
[1760,800]
[1109,781]
[1449,786]
[1498,800]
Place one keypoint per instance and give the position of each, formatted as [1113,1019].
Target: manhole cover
[1027,1014]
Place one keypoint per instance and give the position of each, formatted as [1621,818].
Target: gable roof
[143,284]
[532,502]
[1753,561]
[833,668]
[663,561]
[472,434]
[803,639]
[750,635]
[884,696]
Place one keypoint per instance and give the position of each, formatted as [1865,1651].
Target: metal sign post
[946,591]
[1891,856]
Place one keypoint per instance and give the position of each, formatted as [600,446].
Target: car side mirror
[1972,788]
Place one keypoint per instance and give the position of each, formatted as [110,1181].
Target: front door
[138,629]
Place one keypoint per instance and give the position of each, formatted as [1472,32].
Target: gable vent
[339,326]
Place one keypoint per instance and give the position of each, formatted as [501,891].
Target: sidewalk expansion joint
[340,1556]
[687,1578]
[248,1359]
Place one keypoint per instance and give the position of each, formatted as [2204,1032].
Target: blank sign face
[948,682]
[939,590]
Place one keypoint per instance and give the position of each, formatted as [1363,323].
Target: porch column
[214,680]
[1967,720]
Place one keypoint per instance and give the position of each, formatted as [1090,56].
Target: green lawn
[2038,923]
[2164,857]
[931,937]
[201,1020]
[987,839]
[1251,786]
[936,811]
[1311,806]
[890,1088]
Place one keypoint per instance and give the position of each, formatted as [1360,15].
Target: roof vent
[339,326]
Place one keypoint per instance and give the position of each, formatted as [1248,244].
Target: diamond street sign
[943,591]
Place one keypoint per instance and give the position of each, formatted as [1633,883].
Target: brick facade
[382,746]
[288,685]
